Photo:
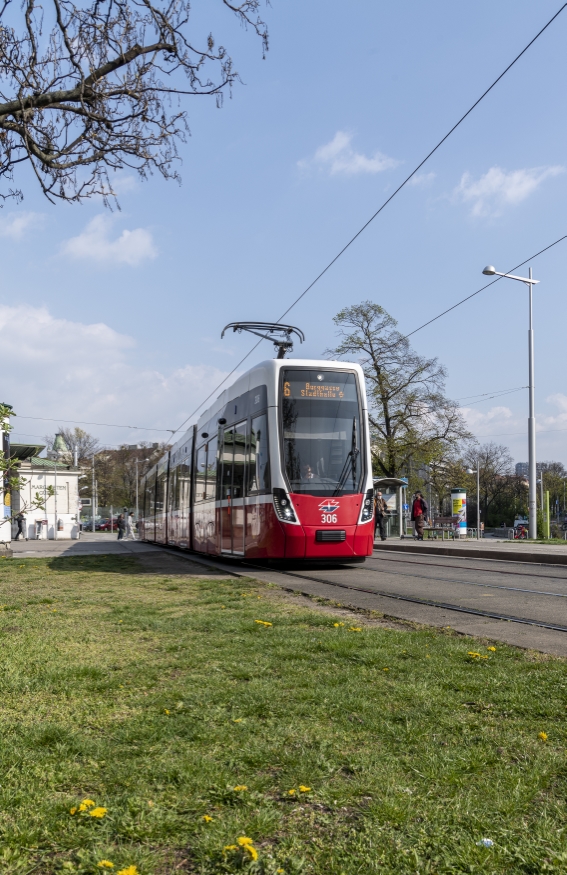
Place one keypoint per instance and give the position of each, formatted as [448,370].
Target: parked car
[104,525]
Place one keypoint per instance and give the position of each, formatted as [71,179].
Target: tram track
[390,558]
[556,627]
[473,583]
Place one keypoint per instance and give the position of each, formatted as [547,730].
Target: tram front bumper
[302,542]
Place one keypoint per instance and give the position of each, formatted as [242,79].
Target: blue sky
[116,317]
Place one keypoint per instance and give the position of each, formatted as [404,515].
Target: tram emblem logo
[330,505]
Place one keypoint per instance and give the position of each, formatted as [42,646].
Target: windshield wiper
[352,456]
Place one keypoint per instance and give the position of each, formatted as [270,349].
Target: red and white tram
[277,468]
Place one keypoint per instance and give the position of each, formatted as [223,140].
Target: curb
[476,553]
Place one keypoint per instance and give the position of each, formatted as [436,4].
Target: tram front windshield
[322,436]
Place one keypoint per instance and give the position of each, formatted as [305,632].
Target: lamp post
[477,472]
[490,271]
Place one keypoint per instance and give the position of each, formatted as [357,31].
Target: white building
[61,511]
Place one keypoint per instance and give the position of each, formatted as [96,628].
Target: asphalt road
[471,595]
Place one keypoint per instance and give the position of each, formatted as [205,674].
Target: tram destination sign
[312,390]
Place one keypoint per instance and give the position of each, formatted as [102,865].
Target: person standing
[130,534]
[380,508]
[120,525]
[419,514]
[20,521]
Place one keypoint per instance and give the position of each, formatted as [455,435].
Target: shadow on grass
[104,564]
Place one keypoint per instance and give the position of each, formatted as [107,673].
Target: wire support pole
[532,526]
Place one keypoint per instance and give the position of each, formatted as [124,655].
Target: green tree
[410,416]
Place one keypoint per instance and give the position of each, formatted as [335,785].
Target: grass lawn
[332,749]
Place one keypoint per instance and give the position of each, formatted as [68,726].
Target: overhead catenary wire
[379,210]
[101,424]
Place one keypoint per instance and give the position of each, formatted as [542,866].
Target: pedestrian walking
[419,514]
[380,508]
[120,525]
[130,534]
[20,522]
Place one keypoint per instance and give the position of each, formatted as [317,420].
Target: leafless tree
[90,88]
[76,439]
[410,417]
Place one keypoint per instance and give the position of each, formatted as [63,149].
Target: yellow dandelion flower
[240,787]
[73,810]
[336,625]
[355,629]
[223,606]
[280,871]
[105,864]
[150,803]
[98,812]
[542,736]
[291,792]
[263,622]
[493,649]
[237,720]
[304,789]
[207,818]
[166,711]
[129,870]
[88,803]
[230,848]
[244,840]
[474,654]
[250,849]
[385,669]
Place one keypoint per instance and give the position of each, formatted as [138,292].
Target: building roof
[25,451]
[36,462]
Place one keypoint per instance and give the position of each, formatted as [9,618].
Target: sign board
[85,502]
[406,506]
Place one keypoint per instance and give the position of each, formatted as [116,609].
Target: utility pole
[93,498]
[55,528]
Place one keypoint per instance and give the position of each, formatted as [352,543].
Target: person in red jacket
[419,514]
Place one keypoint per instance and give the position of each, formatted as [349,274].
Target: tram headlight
[283,507]
[367,507]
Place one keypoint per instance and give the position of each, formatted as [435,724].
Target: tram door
[233,458]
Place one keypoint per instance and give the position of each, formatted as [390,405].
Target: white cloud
[500,188]
[15,225]
[422,179]
[94,243]
[478,421]
[59,369]
[338,156]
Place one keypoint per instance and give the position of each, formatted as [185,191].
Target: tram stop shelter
[393,493]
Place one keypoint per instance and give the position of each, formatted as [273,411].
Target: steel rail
[562,595]
[427,602]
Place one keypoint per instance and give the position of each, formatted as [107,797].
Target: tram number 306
[328,518]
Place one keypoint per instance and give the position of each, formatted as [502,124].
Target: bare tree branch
[88,90]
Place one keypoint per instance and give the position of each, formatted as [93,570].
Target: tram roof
[262,372]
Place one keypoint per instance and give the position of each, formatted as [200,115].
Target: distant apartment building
[523,468]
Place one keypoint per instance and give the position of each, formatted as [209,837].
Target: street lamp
[490,271]
[477,472]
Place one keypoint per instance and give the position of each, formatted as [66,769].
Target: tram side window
[201,474]
[183,487]
[211,484]
[239,459]
[259,458]
[173,490]
[160,491]
[151,497]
